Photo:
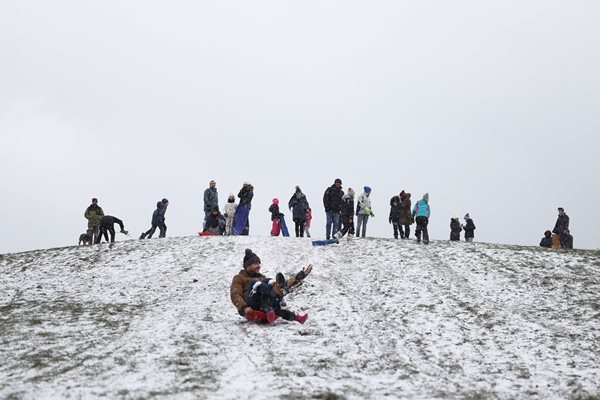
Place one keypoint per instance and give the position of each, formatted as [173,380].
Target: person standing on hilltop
[561,228]
[363,212]
[422,212]
[94,215]
[298,205]
[332,201]
[211,198]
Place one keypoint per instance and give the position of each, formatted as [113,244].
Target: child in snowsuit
[251,291]
[158,221]
[455,229]
[394,217]
[275,215]
[347,215]
[215,222]
[421,212]
[469,229]
[546,240]
[307,222]
[228,213]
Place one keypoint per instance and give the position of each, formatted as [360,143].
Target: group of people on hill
[560,236]
[99,225]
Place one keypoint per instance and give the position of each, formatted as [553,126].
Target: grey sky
[491,107]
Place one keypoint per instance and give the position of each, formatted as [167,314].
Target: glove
[372,215]
[302,274]
[225,215]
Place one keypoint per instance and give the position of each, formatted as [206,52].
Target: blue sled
[324,242]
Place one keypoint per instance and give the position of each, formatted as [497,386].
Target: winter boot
[271,316]
[301,318]
[143,235]
[281,281]
[338,235]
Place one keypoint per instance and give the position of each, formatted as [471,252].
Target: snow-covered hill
[387,318]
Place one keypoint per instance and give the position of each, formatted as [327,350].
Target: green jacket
[93,214]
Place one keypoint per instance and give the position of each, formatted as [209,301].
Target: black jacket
[108,221]
[562,225]
[246,193]
[470,229]
[332,199]
[274,210]
[394,209]
[455,229]
[347,207]
[547,240]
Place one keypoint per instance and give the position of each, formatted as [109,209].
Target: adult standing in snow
[455,229]
[332,201]
[469,228]
[251,291]
[561,227]
[406,218]
[107,225]
[241,223]
[94,215]
[211,198]
[363,211]
[229,212]
[347,215]
[422,212]
[298,204]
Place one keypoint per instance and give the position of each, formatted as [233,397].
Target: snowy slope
[386,318]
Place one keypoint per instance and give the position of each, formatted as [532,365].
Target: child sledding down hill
[252,292]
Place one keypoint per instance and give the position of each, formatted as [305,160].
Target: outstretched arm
[294,280]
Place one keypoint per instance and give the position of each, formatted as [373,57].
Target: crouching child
[255,295]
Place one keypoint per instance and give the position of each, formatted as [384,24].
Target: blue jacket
[422,209]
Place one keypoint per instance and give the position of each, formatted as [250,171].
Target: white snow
[387,318]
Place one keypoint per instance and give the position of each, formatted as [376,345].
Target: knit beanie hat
[367,189]
[426,196]
[467,216]
[250,258]
[351,192]
[276,201]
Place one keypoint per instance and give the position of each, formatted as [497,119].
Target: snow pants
[422,227]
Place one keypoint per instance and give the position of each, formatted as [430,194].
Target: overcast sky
[491,107]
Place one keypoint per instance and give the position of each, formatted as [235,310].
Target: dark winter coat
[455,229]
[211,199]
[93,214]
[274,210]
[332,199]
[215,223]
[298,204]
[238,284]
[246,194]
[562,225]
[395,209]
[158,216]
[108,221]
[347,207]
[469,229]
[547,239]
[405,217]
